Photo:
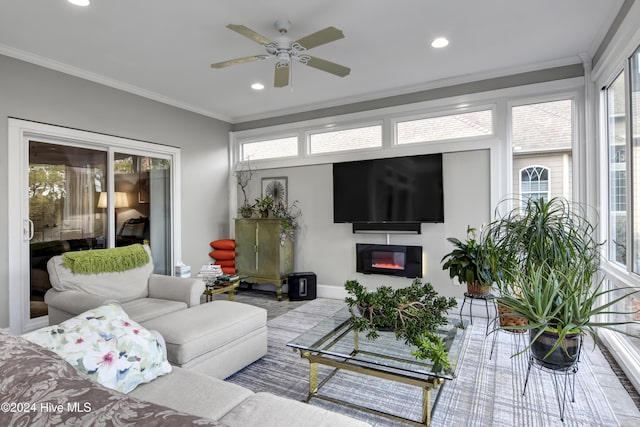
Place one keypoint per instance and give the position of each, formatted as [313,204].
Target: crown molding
[106,81]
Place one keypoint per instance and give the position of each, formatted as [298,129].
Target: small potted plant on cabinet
[414,313]
[243,177]
[264,206]
[469,263]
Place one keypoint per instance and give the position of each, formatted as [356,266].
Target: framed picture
[276,188]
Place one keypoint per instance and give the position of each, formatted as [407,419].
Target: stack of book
[210,272]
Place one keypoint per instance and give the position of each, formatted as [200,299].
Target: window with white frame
[534,183]
[345,139]
[542,135]
[269,148]
[617,163]
[621,172]
[451,126]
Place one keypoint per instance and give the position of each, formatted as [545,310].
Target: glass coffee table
[334,343]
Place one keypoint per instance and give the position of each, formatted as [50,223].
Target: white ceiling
[162,49]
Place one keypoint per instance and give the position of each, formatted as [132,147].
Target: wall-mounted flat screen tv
[398,189]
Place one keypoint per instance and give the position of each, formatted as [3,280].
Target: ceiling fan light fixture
[80,2]
[439,42]
[257,86]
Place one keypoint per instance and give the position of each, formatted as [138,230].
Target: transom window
[270,148]
[345,139]
[452,126]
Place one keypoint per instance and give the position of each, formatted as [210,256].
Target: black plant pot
[563,357]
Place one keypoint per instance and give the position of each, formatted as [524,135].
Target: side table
[487,299]
[216,287]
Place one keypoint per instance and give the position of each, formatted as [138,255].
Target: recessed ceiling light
[440,42]
[79,2]
[257,86]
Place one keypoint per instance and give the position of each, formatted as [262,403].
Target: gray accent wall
[35,93]
[328,249]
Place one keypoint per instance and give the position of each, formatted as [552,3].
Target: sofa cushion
[194,393]
[205,328]
[144,309]
[121,286]
[107,345]
[34,375]
[265,409]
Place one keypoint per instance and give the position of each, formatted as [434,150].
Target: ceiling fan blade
[249,33]
[238,61]
[328,66]
[281,78]
[321,37]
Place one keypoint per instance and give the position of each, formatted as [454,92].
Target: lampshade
[120,198]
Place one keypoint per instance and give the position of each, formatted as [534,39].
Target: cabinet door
[246,245]
[269,248]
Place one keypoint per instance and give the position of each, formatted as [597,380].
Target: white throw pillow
[108,346]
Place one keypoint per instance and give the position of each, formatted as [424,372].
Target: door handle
[27,229]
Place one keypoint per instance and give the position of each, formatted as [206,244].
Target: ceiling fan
[285,50]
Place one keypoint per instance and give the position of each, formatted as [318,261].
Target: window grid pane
[616,141]
[634,117]
[346,139]
[270,148]
[477,123]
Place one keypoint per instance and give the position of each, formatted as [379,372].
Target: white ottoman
[217,338]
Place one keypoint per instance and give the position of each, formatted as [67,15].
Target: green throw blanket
[106,260]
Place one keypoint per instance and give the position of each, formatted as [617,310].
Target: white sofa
[142,294]
[217,338]
[180,398]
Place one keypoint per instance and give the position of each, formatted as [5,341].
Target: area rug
[486,392]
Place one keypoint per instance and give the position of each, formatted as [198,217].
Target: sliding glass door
[142,202]
[64,187]
[74,190]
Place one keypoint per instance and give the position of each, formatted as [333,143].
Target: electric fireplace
[392,260]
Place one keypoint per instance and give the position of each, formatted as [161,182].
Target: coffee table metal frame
[214,287]
[385,366]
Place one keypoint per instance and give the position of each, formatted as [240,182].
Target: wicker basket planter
[508,320]
[476,288]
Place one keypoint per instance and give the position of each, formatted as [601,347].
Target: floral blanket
[38,388]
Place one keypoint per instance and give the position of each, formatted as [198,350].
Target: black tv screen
[398,189]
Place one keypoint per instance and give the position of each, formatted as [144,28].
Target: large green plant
[539,232]
[414,313]
[544,258]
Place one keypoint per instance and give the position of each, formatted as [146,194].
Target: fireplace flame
[388,266]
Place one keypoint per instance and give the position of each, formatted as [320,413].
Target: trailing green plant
[288,218]
[469,261]
[414,313]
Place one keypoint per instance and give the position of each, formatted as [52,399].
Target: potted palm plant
[544,259]
[414,313]
[469,263]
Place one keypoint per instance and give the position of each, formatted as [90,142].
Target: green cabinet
[261,254]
